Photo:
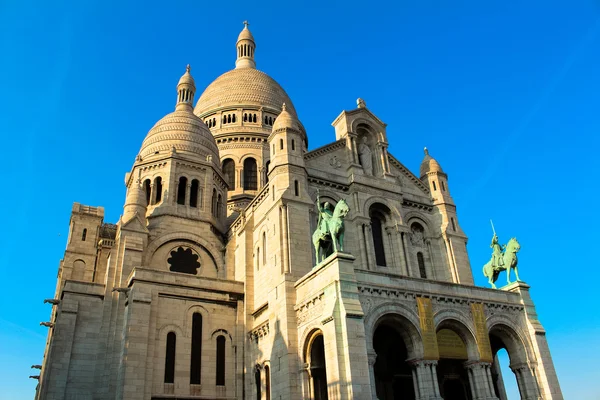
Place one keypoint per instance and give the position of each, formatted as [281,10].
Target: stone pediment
[408,178]
[134,224]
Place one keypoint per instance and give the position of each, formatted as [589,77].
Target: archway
[505,341]
[453,378]
[393,375]
[315,358]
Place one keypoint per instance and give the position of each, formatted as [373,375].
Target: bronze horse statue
[330,231]
[510,262]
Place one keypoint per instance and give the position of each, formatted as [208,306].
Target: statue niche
[365,156]
[184,260]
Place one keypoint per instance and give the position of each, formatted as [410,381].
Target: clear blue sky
[504,94]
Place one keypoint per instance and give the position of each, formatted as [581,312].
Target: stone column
[285,259]
[188,191]
[152,194]
[425,376]
[370,249]
[480,380]
[372,359]
[526,382]
[405,254]
[361,245]
[307,392]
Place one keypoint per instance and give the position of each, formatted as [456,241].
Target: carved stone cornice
[260,332]
[340,144]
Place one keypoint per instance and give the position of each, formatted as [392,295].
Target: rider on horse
[325,214]
[497,256]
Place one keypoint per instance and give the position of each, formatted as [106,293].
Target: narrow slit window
[170,358]
[194,193]
[281,144]
[443,186]
[221,360]
[181,189]
[196,350]
[84,235]
[421,262]
[296,188]
[293,145]
[434,186]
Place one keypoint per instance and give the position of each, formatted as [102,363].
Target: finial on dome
[186,89]
[283,107]
[426,151]
[245,49]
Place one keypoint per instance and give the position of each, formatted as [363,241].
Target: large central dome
[243,87]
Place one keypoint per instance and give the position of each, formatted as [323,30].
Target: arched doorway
[393,375]
[504,339]
[315,358]
[453,378]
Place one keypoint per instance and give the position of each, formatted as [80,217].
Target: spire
[245,49]
[186,89]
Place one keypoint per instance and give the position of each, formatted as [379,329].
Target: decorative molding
[310,309]
[328,183]
[260,332]
[340,144]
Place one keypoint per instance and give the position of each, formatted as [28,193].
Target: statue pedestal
[328,300]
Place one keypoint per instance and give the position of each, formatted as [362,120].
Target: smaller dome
[187,79]
[136,195]
[285,120]
[245,34]
[183,131]
[429,164]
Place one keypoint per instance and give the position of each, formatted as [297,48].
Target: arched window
[233,118]
[181,188]
[266,120]
[229,172]
[170,358]
[147,190]
[254,118]
[421,262]
[257,382]
[250,174]
[196,362]
[194,193]
[264,246]
[268,382]
[84,235]
[229,118]
[245,117]
[214,122]
[224,119]
[221,360]
[157,190]
[378,216]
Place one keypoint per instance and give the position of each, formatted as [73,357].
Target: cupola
[245,49]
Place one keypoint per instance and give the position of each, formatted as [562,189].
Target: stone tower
[455,240]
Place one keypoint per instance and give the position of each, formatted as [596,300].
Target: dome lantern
[186,89]
[245,49]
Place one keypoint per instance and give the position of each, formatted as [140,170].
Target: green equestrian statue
[328,237]
[502,261]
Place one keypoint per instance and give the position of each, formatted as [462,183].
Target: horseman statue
[504,258]
[328,237]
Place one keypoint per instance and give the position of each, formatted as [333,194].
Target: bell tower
[454,238]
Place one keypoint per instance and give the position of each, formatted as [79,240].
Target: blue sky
[504,95]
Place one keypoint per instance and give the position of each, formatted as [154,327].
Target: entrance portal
[453,378]
[318,370]
[393,375]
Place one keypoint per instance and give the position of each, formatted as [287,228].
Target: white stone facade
[206,286]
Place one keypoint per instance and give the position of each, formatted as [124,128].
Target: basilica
[245,266]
